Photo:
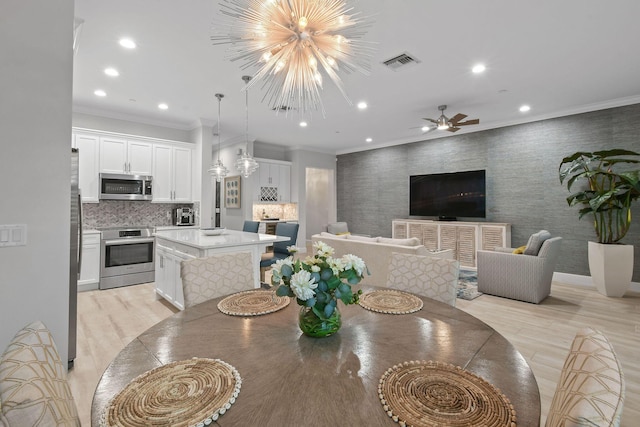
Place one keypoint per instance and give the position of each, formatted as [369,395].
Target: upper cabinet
[169,163]
[172,166]
[88,146]
[273,181]
[129,156]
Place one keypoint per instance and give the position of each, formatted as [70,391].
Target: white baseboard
[82,287]
[576,279]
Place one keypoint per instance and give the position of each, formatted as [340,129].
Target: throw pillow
[413,241]
[519,250]
[535,242]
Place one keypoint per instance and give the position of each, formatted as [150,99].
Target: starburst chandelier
[293,43]
[218,170]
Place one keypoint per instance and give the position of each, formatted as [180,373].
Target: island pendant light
[246,164]
[217,170]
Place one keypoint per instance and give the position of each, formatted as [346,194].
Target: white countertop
[195,238]
[91,231]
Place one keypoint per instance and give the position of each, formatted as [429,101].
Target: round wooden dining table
[289,379]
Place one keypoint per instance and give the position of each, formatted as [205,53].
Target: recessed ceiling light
[369,139]
[128,43]
[100,92]
[111,72]
[478,68]
[426,128]
[303,124]
[524,108]
[362,105]
[163,106]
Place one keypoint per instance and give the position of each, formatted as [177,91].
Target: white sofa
[375,252]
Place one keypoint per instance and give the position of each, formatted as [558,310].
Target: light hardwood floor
[109,319]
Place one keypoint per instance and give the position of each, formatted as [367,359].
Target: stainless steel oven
[127,256]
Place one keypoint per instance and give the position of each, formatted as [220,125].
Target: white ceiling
[560,57]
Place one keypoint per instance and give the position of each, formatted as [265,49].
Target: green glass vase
[313,326]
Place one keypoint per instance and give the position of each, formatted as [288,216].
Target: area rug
[468,285]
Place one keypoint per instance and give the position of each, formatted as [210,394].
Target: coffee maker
[183,216]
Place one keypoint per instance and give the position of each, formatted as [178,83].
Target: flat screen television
[448,195]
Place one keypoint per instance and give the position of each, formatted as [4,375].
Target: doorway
[320,206]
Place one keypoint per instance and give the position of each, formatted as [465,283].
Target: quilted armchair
[518,276]
[428,276]
[215,276]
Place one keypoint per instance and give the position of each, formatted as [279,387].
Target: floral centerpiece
[318,283]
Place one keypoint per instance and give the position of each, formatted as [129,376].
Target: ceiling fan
[453,124]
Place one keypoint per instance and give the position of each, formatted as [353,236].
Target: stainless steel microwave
[125,187]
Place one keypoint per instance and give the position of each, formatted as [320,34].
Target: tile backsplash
[113,213]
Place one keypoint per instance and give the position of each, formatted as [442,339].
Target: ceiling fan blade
[453,129]
[455,119]
[430,120]
[469,122]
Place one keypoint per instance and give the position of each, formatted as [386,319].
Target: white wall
[36,39]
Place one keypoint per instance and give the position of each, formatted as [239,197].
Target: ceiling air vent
[401,61]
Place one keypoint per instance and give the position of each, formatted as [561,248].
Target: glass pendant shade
[246,164]
[218,170]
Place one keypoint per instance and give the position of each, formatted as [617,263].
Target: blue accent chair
[251,226]
[280,251]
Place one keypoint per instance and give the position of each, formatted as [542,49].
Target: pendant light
[246,164]
[218,170]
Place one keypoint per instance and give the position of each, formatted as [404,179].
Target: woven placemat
[427,393]
[253,303]
[184,393]
[390,302]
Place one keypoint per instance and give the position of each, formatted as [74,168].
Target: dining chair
[251,226]
[33,382]
[428,276]
[590,390]
[285,229]
[215,276]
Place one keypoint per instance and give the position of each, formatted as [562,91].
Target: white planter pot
[611,268]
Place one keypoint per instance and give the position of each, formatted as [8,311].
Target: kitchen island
[176,245]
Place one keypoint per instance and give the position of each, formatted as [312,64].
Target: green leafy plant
[609,192]
[320,281]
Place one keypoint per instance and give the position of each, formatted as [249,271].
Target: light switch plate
[13,235]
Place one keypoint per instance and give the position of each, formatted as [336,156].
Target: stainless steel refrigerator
[75,255]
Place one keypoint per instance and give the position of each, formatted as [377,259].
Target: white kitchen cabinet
[90,268]
[88,146]
[463,238]
[168,281]
[273,182]
[172,173]
[121,155]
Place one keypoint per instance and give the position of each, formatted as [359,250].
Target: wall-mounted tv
[448,195]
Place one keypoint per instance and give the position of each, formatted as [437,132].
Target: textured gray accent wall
[523,188]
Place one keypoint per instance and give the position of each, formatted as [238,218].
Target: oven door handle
[128,241]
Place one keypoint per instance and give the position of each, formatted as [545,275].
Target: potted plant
[612,185]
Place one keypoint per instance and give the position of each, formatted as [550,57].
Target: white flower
[351,261]
[303,285]
[293,249]
[337,265]
[315,268]
[277,268]
[322,249]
